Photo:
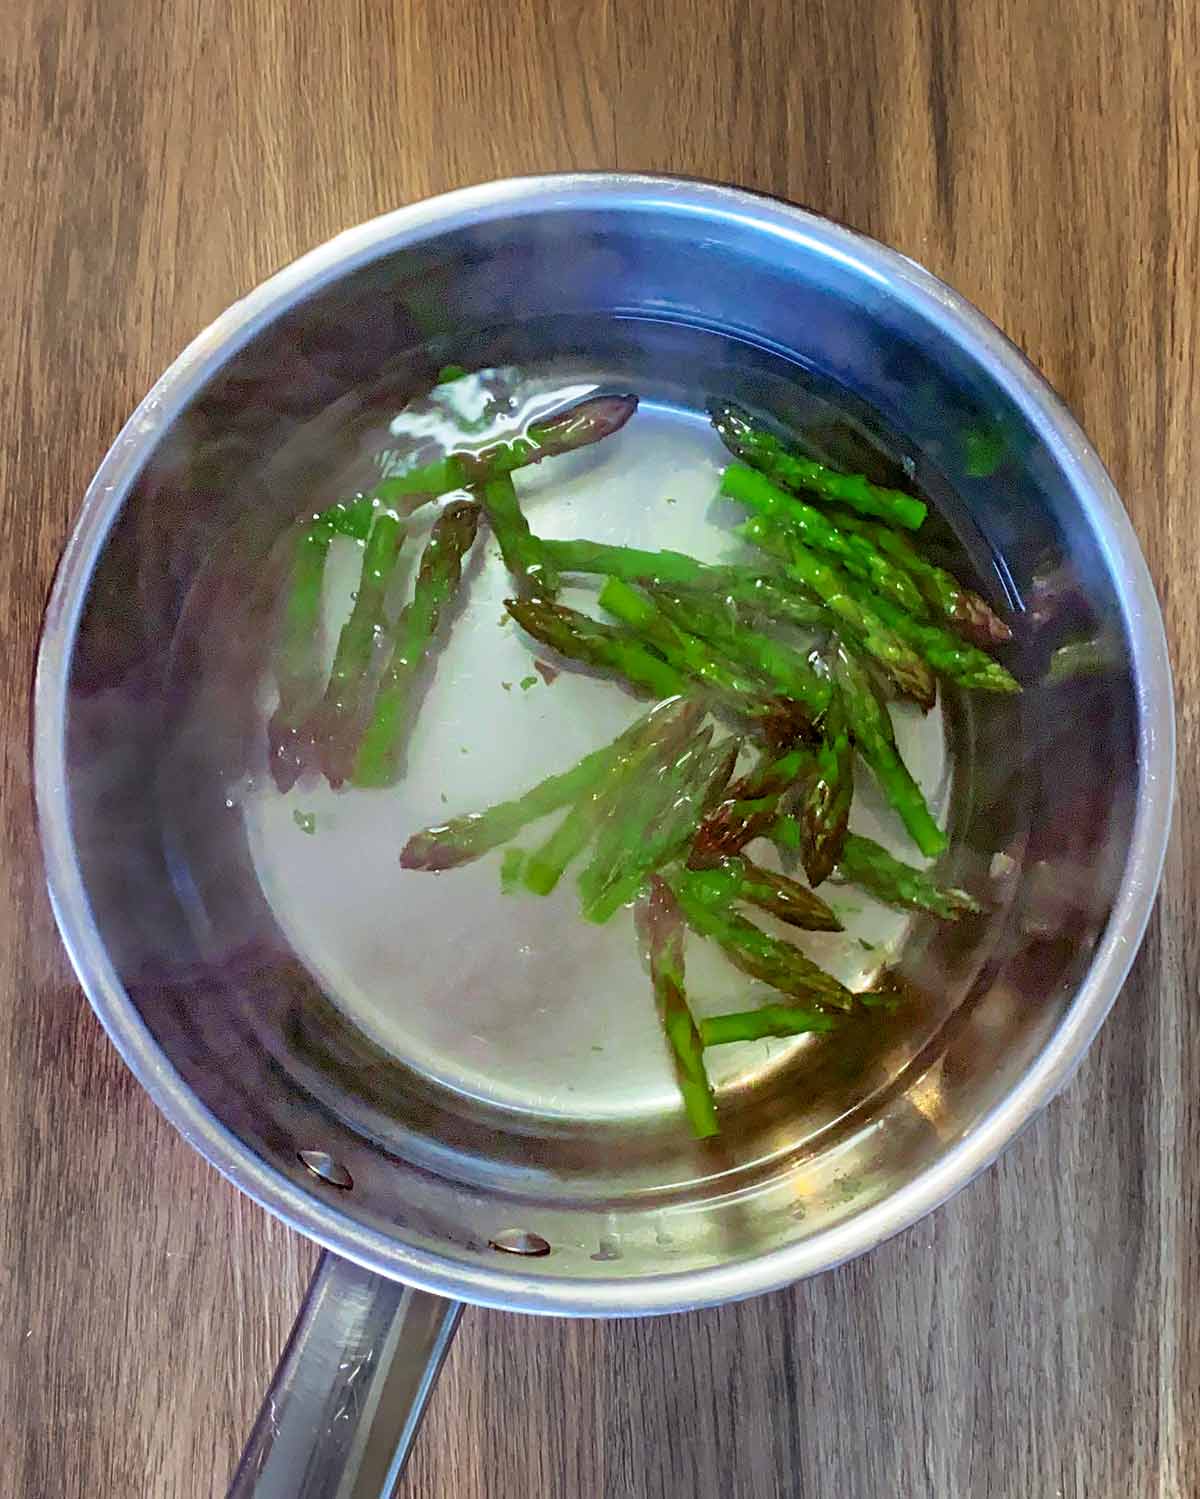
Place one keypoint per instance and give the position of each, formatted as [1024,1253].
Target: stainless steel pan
[552,1182]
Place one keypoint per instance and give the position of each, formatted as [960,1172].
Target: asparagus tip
[979,621]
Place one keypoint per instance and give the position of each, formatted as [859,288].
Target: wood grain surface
[1038,1337]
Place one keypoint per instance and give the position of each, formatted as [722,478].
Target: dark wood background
[1038,1337]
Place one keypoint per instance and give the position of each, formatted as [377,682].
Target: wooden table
[1037,1337]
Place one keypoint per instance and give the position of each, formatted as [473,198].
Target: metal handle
[350,1390]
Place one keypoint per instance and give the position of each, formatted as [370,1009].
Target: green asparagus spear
[824,808]
[467,838]
[970,614]
[752,950]
[649,846]
[337,721]
[303,608]
[683,650]
[353,517]
[739,879]
[866,864]
[437,579]
[630,563]
[662,740]
[860,557]
[898,659]
[298,667]
[728,682]
[576,427]
[766,453]
[746,586]
[785,833]
[948,654]
[768,596]
[749,808]
[786,670]
[523,555]
[512,866]
[773,774]
[871,730]
[298,664]
[660,930]
[626,825]
[759,1025]
[594,643]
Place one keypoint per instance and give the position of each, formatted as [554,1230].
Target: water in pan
[511,999]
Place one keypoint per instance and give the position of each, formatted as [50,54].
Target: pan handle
[350,1390]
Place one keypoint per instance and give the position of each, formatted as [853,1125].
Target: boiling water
[510,998]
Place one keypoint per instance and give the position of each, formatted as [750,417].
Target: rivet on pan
[322,1164]
[517,1241]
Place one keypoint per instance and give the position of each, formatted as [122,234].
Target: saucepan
[461,1099]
